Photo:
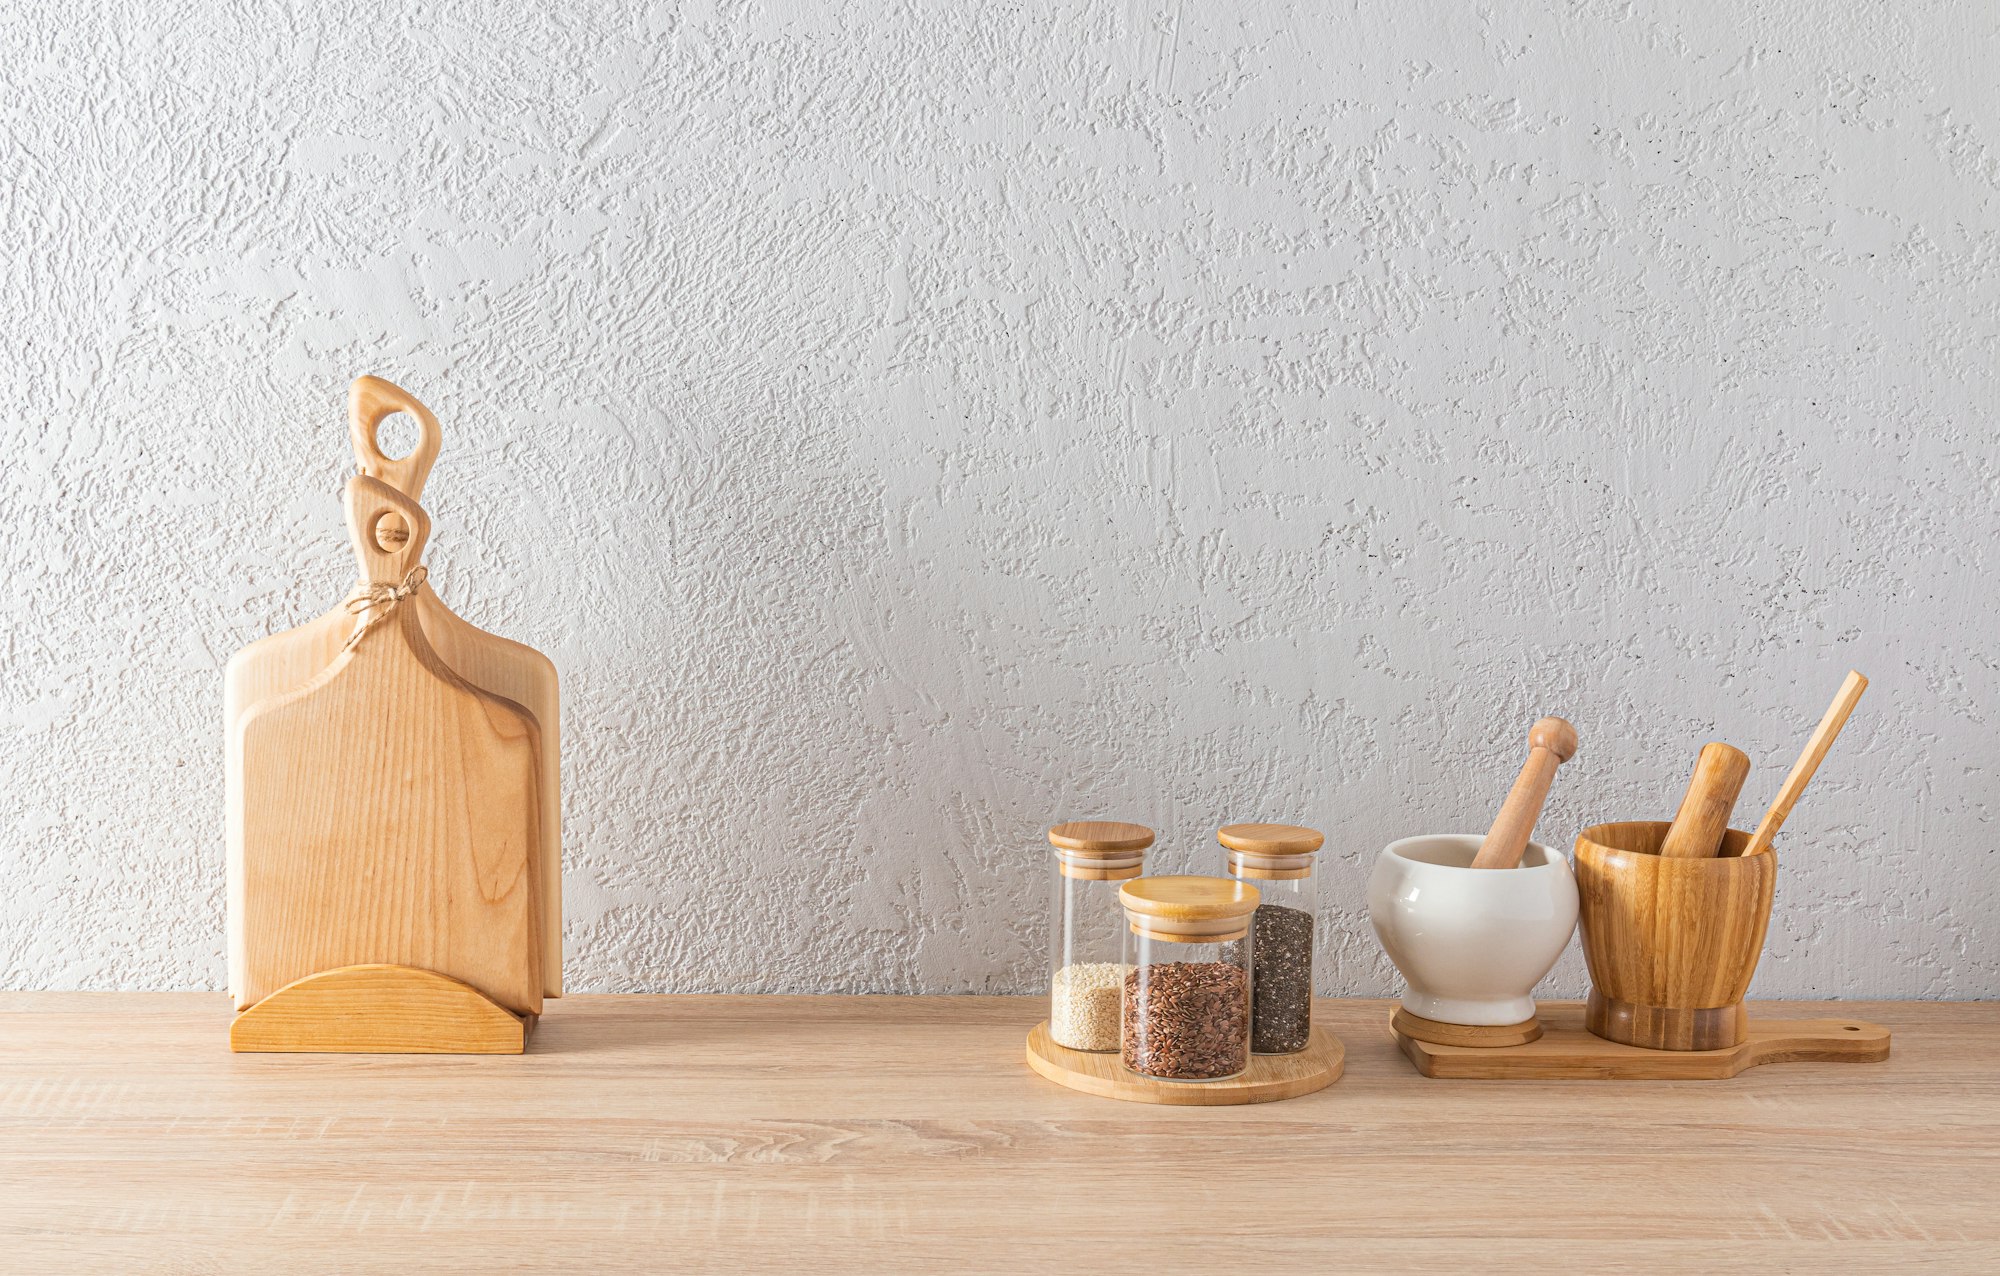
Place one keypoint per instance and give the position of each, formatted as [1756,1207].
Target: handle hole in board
[1850,1028]
[397,435]
[391,532]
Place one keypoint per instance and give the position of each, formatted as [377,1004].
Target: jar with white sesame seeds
[1093,858]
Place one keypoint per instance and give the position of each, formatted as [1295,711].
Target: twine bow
[381,599]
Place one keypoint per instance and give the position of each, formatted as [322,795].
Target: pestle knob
[1551,742]
[1711,795]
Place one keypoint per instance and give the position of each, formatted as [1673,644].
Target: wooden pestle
[1551,742]
[1711,795]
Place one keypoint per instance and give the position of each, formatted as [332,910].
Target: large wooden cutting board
[284,662]
[389,810]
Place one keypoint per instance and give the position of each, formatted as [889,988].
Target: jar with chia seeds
[1185,1013]
[1278,860]
[1087,928]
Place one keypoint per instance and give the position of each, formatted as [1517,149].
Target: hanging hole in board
[391,532]
[397,435]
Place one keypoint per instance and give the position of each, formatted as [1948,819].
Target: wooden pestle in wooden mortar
[1551,742]
[1698,826]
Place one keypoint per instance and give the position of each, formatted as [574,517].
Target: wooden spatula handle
[371,401]
[1551,742]
[1802,771]
[1711,795]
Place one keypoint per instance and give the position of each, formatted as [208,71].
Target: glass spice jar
[1087,928]
[1186,1006]
[1278,860]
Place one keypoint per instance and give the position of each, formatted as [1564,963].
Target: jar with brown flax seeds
[1185,1014]
[1093,858]
[1278,860]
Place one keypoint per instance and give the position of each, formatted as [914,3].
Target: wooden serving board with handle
[389,811]
[1566,1052]
[285,662]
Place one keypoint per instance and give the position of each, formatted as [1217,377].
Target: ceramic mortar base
[1471,943]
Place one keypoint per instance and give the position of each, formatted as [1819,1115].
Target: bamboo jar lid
[1277,852]
[1189,910]
[1101,850]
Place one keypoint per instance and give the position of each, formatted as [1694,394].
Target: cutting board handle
[369,502]
[371,401]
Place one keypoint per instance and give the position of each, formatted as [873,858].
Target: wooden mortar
[1671,943]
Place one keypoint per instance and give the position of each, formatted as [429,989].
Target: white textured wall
[908,427]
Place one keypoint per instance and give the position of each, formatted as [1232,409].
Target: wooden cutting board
[284,662]
[1567,1052]
[390,810]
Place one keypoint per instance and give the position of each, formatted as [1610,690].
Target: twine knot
[380,598]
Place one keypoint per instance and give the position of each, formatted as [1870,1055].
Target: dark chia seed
[1282,968]
[1186,1020]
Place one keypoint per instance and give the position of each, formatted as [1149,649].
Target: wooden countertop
[905,1134]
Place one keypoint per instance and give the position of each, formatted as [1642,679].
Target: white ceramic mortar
[1472,943]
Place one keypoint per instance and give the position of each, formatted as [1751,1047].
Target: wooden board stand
[1270,1077]
[379,1009]
[1566,1051]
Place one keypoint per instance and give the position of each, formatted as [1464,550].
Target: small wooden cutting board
[282,663]
[389,810]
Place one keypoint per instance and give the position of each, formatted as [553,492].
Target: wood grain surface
[283,662]
[642,1134]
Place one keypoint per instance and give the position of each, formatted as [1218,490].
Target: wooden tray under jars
[1567,1051]
[1270,1077]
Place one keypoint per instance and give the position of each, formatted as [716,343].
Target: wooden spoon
[1802,770]
[1551,742]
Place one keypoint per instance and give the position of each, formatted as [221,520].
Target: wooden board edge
[378,1009]
[1820,1041]
[1421,1059]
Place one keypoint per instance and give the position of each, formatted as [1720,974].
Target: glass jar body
[1186,1006]
[1282,973]
[1086,953]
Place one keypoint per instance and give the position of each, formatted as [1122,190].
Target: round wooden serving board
[1271,1076]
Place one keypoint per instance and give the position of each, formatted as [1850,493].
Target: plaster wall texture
[907,426]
